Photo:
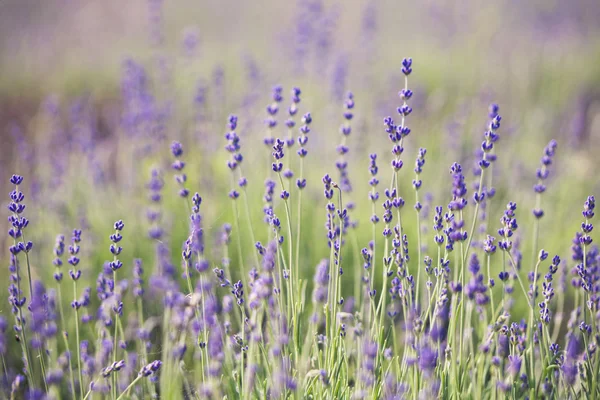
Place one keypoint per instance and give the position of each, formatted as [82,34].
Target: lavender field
[370,199]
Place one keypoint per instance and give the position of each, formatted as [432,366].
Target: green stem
[239,239]
[419,266]
[474,222]
[292,268]
[114,379]
[141,343]
[519,278]
[62,321]
[532,323]
[298,232]
[288,215]
[23,341]
[373,255]
[128,388]
[77,339]
[40,355]
[250,225]
[488,257]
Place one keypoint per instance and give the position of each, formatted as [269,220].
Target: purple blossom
[178,165]
[321,282]
[543,172]
[427,359]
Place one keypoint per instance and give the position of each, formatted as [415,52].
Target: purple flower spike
[543,172]
[428,359]
[16,180]
[176,149]
[406,66]
[178,165]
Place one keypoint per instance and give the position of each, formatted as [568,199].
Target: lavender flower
[370,350]
[458,203]
[3,327]
[178,165]
[18,225]
[543,173]
[321,282]
[272,110]
[475,289]
[303,138]
[572,353]
[59,250]
[487,154]
[138,279]
[292,110]
[233,144]
[114,247]
[151,368]
[509,224]
[548,291]
[342,148]
[278,154]
[153,214]
[73,253]
[428,359]
[514,365]
[419,163]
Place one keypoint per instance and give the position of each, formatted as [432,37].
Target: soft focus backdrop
[78,77]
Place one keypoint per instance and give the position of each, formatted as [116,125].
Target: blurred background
[93,92]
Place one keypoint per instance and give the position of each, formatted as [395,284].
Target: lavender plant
[291,309]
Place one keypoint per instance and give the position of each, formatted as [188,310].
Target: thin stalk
[204,356]
[23,341]
[476,213]
[519,278]
[357,276]
[251,350]
[131,385]
[299,230]
[243,332]
[239,238]
[141,343]
[40,356]
[595,375]
[536,227]
[4,369]
[28,269]
[293,269]
[382,298]
[338,260]
[419,266]
[87,394]
[488,257]
[78,342]
[532,320]
[288,215]
[503,281]
[62,321]
[585,295]
[329,321]
[374,252]
[250,225]
[463,258]
[190,288]
[114,379]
